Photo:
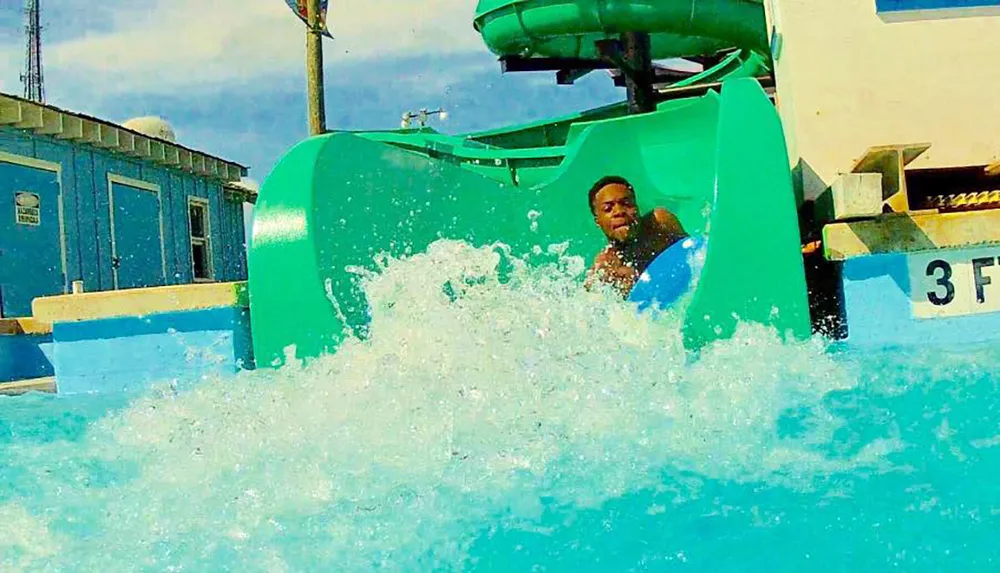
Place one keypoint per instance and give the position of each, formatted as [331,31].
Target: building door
[136,233]
[31,234]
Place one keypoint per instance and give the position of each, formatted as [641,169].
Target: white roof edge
[47,120]
[240,190]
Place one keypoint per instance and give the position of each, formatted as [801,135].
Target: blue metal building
[82,199]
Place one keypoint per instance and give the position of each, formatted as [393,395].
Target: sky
[229,74]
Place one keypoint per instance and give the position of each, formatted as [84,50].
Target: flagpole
[314,69]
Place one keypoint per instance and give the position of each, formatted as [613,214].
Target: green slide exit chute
[719,161]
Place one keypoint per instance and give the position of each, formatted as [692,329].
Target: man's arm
[597,270]
[609,269]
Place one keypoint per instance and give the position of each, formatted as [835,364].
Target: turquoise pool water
[519,425]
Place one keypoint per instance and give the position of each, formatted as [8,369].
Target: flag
[299,7]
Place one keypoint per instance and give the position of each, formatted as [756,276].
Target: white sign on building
[28,208]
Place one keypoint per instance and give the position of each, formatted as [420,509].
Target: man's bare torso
[621,264]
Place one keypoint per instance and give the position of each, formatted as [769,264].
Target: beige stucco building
[849,78]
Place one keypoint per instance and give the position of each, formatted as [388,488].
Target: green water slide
[335,201]
[569,28]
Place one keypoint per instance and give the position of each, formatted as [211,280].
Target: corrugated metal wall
[86,211]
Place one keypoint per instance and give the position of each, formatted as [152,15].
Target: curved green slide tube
[336,201]
[568,28]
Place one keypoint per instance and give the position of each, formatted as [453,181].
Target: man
[633,240]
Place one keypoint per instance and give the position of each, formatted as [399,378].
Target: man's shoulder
[662,215]
[666,220]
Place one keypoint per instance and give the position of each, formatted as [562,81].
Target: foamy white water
[491,396]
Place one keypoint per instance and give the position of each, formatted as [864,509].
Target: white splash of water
[488,388]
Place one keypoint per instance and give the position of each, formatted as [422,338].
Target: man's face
[615,212]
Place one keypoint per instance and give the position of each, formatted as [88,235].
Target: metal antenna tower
[32,77]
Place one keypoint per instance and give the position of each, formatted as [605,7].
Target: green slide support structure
[334,202]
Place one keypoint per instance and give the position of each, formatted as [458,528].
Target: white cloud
[10,68]
[166,45]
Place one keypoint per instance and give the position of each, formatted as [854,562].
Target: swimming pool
[519,425]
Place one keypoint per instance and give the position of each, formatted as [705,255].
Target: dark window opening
[197,215]
[201,251]
[199,255]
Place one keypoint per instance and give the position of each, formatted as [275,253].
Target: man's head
[612,201]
